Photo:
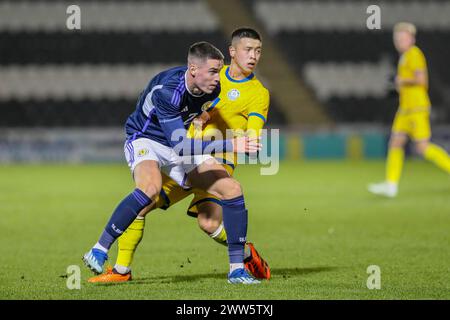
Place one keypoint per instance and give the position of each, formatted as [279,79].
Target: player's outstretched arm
[176,134]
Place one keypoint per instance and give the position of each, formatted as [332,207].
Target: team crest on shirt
[233,94]
[142,152]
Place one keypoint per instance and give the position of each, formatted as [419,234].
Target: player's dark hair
[204,50]
[245,33]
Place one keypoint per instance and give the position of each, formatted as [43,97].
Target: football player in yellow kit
[242,106]
[413,115]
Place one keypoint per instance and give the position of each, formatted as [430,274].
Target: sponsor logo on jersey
[233,94]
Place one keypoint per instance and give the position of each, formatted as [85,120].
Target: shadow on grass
[411,194]
[276,273]
[292,272]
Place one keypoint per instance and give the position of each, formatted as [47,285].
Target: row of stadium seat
[343,15]
[107,16]
[362,110]
[66,113]
[196,16]
[76,82]
[300,47]
[96,47]
[349,79]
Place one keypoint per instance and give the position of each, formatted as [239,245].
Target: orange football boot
[111,276]
[256,265]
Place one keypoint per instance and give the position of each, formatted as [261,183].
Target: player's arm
[420,79]
[257,116]
[416,61]
[176,134]
[196,129]
[200,121]
[173,127]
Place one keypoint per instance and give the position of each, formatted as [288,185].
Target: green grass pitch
[314,222]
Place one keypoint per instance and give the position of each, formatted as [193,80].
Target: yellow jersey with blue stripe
[412,98]
[242,106]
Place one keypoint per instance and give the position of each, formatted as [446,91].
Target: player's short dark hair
[245,32]
[204,50]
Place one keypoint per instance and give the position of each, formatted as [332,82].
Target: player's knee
[150,189]
[397,142]
[420,148]
[232,190]
[146,210]
[226,188]
[209,226]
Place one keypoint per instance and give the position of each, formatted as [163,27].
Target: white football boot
[386,189]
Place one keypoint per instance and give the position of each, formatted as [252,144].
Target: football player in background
[413,116]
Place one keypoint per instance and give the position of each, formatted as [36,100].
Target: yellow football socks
[129,241]
[438,156]
[220,236]
[394,164]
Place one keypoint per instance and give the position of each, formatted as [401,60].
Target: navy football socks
[235,220]
[123,216]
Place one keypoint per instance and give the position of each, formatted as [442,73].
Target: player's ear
[193,69]
[232,51]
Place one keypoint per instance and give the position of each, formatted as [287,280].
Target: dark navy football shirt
[166,105]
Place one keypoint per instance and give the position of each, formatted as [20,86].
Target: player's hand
[205,117]
[201,120]
[403,82]
[198,124]
[246,145]
[398,83]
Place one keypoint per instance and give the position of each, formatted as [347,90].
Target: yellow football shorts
[415,124]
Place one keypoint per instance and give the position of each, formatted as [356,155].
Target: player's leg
[130,239]
[127,245]
[430,151]
[394,166]
[208,211]
[395,158]
[209,217]
[434,153]
[148,183]
[170,194]
[128,242]
[143,159]
[213,178]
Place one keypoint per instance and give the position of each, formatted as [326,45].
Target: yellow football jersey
[241,106]
[412,97]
